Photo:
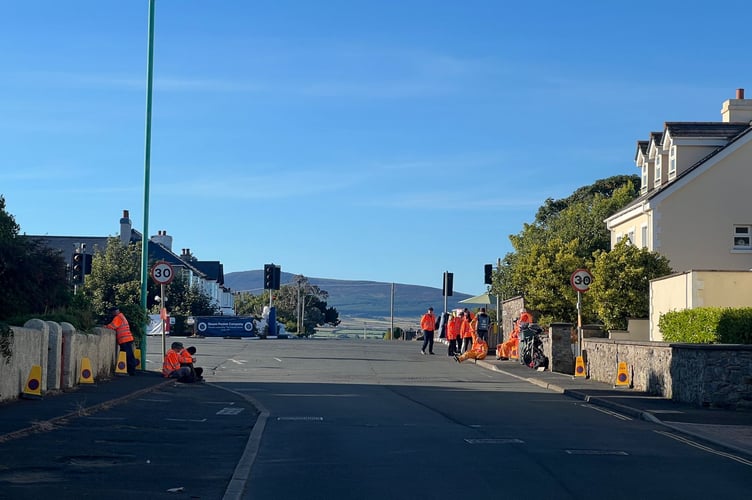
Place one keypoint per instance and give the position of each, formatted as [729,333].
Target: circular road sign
[581,280]
[162,273]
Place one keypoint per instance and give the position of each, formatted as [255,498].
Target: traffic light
[447,288]
[271,276]
[268,276]
[488,274]
[77,269]
[87,263]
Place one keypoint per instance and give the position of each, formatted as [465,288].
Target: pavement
[729,429]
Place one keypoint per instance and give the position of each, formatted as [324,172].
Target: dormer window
[672,163]
[644,184]
[657,181]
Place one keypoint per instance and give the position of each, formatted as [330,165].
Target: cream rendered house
[695,206]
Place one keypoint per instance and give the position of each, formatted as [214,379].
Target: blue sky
[387,141]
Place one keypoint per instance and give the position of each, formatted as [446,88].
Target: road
[342,419]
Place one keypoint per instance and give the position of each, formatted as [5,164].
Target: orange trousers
[505,350]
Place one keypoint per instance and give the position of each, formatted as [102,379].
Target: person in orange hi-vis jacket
[504,350]
[466,331]
[123,337]
[453,334]
[478,351]
[428,325]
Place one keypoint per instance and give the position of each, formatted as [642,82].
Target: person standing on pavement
[453,334]
[428,325]
[123,337]
[466,331]
[482,323]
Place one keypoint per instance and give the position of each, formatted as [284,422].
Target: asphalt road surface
[355,419]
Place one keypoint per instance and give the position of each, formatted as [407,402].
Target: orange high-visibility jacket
[466,329]
[453,328]
[171,362]
[428,322]
[122,329]
[185,357]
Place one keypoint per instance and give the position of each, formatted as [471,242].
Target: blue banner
[225,326]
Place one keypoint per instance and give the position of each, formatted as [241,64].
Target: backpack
[483,321]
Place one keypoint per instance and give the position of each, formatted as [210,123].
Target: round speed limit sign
[162,273]
[581,280]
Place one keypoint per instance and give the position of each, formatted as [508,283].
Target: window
[657,181]
[644,186]
[644,236]
[630,237]
[672,162]
[742,237]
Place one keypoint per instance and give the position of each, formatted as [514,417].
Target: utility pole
[391,312]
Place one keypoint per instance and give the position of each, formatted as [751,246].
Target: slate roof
[705,130]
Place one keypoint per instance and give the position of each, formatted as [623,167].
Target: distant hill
[358,299]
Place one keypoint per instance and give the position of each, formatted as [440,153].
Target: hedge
[708,325]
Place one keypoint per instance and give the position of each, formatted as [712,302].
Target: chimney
[125,228]
[737,110]
[163,239]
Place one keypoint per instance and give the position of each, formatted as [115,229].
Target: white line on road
[277,359]
[185,420]
[607,412]
[705,448]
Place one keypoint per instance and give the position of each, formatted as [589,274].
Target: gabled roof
[642,149]
[213,270]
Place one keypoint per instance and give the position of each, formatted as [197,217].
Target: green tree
[32,276]
[621,283]
[115,280]
[543,273]
[564,236]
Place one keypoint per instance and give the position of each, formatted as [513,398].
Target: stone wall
[705,375]
[58,349]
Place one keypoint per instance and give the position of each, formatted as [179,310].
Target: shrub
[708,325]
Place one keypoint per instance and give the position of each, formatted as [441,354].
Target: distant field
[365,327]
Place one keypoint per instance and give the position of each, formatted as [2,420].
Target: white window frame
[644,187]
[742,239]
[644,235]
[657,181]
[672,163]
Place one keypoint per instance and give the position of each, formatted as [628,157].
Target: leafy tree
[115,280]
[564,236]
[543,273]
[32,276]
[621,283]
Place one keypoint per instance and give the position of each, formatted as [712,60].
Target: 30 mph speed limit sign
[162,273]
[581,280]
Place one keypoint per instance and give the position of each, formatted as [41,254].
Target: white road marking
[230,411]
[705,448]
[607,412]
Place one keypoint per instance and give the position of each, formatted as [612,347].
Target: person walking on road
[428,325]
[123,337]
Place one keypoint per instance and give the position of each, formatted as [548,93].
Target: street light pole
[147,161]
